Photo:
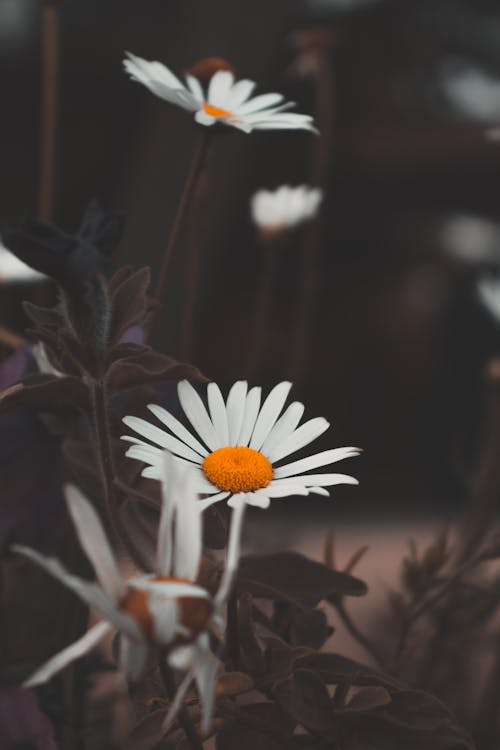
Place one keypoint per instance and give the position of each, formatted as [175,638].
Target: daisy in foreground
[285,207]
[224,101]
[167,611]
[238,445]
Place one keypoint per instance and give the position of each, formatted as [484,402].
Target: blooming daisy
[165,611]
[224,101]
[13,270]
[238,445]
[285,207]
[489,293]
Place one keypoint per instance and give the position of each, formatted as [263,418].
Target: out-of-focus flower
[224,101]
[473,91]
[243,442]
[285,207]
[470,238]
[13,270]
[489,293]
[165,611]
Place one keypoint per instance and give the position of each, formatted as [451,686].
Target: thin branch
[182,717]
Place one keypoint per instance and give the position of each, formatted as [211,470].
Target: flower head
[239,445]
[224,100]
[285,207]
[13,270]
[165,611]
[489,293]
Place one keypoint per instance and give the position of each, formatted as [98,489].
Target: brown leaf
[233,683]
[295,576]
[45,391]
[258,725]
[250,649]
[304,696]
[335,669]
[368,698]
[129,303]
[149,367]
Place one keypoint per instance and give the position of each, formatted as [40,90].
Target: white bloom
[239,445]
[164,611]
[225,101]
[489,293]
[285,207]
[13,270]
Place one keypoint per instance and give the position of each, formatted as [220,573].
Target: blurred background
[410,97]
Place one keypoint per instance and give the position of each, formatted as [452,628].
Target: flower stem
[183,717]
[197,169]
[262,306]
[49,114]
[233,641]
[106,465]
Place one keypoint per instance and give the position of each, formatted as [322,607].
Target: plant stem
[49,114]
[313,234]
[263,305]
[106,465]
[197,168]
[183,717]
[233,640]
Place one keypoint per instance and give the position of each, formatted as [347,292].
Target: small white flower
[13,270]
[165,611]
[243,443]
[285,207]
[489,293]
[225,101]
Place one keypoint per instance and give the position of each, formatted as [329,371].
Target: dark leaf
[129,304]
[304,580]
[45,391]
[150,367]
[258,725]
[233,683]
[304,696]
[43,316]
[250,649]
[368,698]
[335,669]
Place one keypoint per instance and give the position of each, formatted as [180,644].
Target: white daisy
[225,100]
[165,611]
[13,270]
[489,293]
[285,207]
[239,445]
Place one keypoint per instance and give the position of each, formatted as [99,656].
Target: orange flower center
[194,612]
[238,469]
[213,111]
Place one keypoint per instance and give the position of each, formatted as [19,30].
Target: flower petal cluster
[285,207]
[224,100]
[238,445]
[166,611]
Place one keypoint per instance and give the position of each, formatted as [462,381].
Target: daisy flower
[166,611]
[285,207]
[238,445]
[489,294]
[13,270]
[224,101]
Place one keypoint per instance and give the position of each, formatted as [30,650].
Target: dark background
[400,340]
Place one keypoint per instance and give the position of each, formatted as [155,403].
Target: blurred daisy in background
[224,100]
[167,611]
[489,294]
[238,444]
[285,207]
[13,270]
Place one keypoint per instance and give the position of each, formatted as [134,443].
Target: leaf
[335,669]
[304,696]
[250,649]
[259,725]
[294,575]
[43,316]
[149,367]
[233,683]
[368,698]
[45,391]
[148,732]
[129,304]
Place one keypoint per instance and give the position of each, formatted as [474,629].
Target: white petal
[133,657]
[235,408]
[312,462]
[239,93]
[302,436]
[204,504]
[218,412]
[188,528]
[165,543]
[203,118]
[165,614]
[95,544]
[285,488]
[269,413]
[160,81]
[284,427]
[319,491]
[196,88]
[195,411]
[326,480]
[77,649]
[161,438]
[176,704]
[219,88]
[252,406]
[177,428]
[205,672]
[173,589]
[233,554]
[258,103]
[259,499]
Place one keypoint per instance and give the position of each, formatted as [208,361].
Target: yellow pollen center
[213,111]
[238,469]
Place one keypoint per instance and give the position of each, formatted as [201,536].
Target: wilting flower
[165,611]
[224,100]
[242,445]
[285,207]
[489,293]
[13,270]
